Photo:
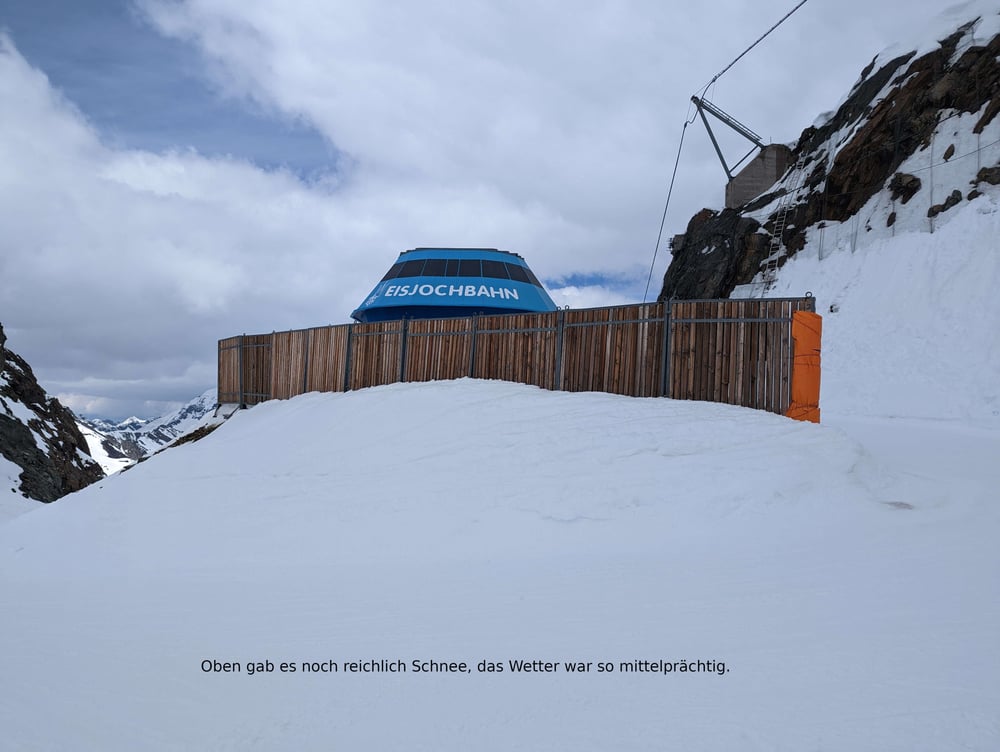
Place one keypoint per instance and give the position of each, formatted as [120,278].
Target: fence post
[472,348]
[270,367]
[305,369]
[404,333]
[665,366]
[242,402]
[347,359]
[560,328]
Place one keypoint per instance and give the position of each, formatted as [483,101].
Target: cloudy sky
[176,172]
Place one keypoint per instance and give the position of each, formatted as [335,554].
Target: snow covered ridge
[979,21]
[120,444]
[917,135]
[484,522]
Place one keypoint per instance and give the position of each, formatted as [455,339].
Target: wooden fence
[734,351]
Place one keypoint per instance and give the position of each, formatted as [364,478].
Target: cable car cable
[666,204]
[759,40]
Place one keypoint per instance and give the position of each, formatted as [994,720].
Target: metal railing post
[305,368]
[560,329]
[472,348]
[347,359]
[270,367]
[665,386]
[242,401]
[404,333]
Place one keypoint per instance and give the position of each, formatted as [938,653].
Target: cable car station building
[427,283]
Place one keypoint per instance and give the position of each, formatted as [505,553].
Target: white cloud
[567,113]
[588,296]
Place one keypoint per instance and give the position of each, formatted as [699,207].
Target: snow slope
[911,323]
[101,454]
[12,503]
[853,607]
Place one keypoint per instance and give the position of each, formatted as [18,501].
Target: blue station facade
[427,283]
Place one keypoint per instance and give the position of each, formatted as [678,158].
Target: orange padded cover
[807,334]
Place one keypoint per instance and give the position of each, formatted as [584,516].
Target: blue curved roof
[429,283]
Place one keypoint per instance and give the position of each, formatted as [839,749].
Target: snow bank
[911,323]
[12,503]
[489,522]
[951,18]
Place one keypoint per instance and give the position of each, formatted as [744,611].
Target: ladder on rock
[769,270]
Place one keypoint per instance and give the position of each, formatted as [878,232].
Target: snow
[471,521]
[12,503]
[943,25]
[109,464]
[915,330]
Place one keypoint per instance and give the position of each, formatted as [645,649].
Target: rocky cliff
[917,135]
[38,436]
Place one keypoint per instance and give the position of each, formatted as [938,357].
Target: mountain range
[118,444]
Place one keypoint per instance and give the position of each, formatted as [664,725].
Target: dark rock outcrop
[40,435]
[904,187]
[719,248]
[989,175]
[949,202]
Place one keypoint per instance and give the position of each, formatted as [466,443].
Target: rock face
[39,435]
[897,110]
[717,251]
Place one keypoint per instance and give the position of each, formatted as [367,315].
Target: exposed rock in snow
[45,455]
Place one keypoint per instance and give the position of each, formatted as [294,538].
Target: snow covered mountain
[120,444]
[42,454]
[915,139]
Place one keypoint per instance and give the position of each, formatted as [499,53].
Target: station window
[462,268]
[469,268]
[518,273]
[435,268]
[412,268]
[393,272]
[495,269]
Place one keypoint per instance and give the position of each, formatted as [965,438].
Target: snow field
[472,521]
